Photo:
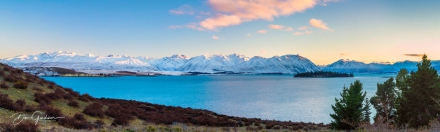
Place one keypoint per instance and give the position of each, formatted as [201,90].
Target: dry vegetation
[25,93]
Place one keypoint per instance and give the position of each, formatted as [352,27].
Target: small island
[323,74]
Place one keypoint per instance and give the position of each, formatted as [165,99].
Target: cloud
[262,31]
[317,23]
[298,33]
[343,54]
[280,27]
[248,35]
[303,28]
[183,9]
[193,25]
[413,55]
[214,37]
[235,12]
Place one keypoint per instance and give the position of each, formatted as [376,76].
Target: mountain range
[181,64]
[175,64]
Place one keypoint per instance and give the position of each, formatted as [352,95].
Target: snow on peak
[177,62]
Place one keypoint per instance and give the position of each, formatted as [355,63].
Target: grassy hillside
[22,93]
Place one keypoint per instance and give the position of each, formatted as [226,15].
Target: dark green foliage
[4,85]
[20,85]
[366,110]
[384,101]
[323,74]
[419,96]
[350,110]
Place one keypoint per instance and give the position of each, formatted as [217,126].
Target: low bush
[10,78]
[40,98]
[95,110]
[79,116]
[4,85]
[20,85]
[73,104]
[6,103]
[26,127]
[99,124]
[20,105]
[37,89]
[52,112]
[86,98]
[29,108]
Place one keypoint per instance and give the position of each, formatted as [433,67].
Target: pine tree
[367,111]
[350,111]
[419,102]
[384,101]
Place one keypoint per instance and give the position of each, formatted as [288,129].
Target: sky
[323,31]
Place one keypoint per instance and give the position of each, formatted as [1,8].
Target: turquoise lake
[279,97]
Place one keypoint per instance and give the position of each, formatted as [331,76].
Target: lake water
[279,97]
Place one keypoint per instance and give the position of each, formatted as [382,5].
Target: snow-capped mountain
[286,63]
[177,63]
[351,66]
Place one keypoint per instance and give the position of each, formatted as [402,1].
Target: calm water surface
[278,97]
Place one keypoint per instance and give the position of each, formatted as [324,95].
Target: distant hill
[323,74]
[352,66]
[22,92]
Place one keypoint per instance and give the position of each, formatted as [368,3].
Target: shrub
[79,117]
[95,110]
[52,112]
[20,85]
[4,85]
[20,105]
[2,73]
[71,92]
[29,108]
[99,123]
[73,104]
[37,89]
[10,78]
[7,68]
[40,98]
[26,127]
[86,97]
[5,102]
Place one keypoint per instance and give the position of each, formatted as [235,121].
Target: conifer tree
[349,110]
[384,101]
[420,95]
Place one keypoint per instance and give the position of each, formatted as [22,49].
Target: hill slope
[22,92]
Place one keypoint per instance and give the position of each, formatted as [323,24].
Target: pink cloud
[220,21]
[261,31]
[280,27]
[214,37]
[234,12]
[317,23]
